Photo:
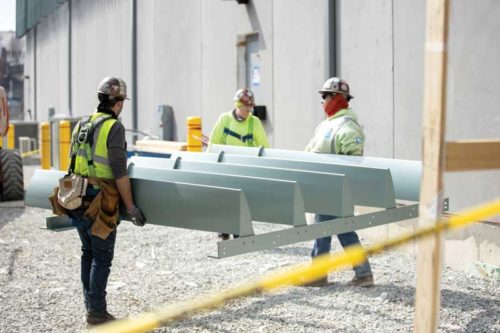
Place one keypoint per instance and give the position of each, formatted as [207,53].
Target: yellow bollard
[11,141]
[64,144]
[194,134]
[45,145]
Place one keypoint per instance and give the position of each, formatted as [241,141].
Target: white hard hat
[336,85]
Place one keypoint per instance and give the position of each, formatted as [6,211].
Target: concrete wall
[169,61]
[382,56]
[473,98]
[52,64]
[300,70]
[101,47]
[366,62]
[198,75]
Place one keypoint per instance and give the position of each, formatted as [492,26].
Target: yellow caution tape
[296,275]
[29,153]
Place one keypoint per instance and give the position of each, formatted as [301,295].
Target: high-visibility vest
[246,139]
[89,146]
[340,134]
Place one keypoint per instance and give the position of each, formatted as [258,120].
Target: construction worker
[340,133]
[239,127]
[98,151]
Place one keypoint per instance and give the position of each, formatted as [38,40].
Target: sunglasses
[325,96]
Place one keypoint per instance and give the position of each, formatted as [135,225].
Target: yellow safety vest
[89,146]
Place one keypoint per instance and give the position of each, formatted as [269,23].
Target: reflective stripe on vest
[345,120]
[98,150]
[248,138]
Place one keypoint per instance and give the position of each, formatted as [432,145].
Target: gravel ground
[158,266]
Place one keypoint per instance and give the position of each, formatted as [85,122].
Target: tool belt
[72,189]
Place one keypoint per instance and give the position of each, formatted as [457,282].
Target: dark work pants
[97,255]
[323,245]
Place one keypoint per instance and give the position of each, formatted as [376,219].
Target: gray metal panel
[41,186]
[252,151]
[152,162]
[182,205]
[58,223]
[192,206]
[324,193]
[197,156]
[405,173]
[370,186]
[270,200]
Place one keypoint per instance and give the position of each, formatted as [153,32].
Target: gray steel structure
[225,192]
[405,173]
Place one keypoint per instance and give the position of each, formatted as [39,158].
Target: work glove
[136,216]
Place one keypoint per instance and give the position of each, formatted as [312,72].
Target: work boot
[362,281]
[224,236]
[321,282]
[98,318]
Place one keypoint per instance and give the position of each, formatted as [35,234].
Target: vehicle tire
[11,176]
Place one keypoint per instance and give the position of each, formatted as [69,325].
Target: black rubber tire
[11,176]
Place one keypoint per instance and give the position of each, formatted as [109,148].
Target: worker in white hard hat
[340,133]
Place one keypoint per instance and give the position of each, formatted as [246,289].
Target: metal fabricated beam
[179,205]
[370,186]
[41,187]
[191,206]
[269,200]
[405,173]
[274,239]
[324,193]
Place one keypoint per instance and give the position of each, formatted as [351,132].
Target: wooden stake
[431,193]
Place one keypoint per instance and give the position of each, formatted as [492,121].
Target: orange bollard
[194,134]
[64,144]
[45,145]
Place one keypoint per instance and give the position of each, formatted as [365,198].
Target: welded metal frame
[274,239]
[224,192]
[259,242]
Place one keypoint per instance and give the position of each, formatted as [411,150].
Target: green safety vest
[89,146]
[248,138]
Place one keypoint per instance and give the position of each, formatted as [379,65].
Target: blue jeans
[323,245]
[97,256]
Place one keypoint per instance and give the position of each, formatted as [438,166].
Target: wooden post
[467,155]
[431,193]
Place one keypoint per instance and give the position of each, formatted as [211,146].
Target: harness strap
[247,138]
[85,136]
[243,138]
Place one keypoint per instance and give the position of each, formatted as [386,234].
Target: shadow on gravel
[9,213]
[453,299]
[256,311]
[486,318]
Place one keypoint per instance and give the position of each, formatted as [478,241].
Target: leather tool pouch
[72,189]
